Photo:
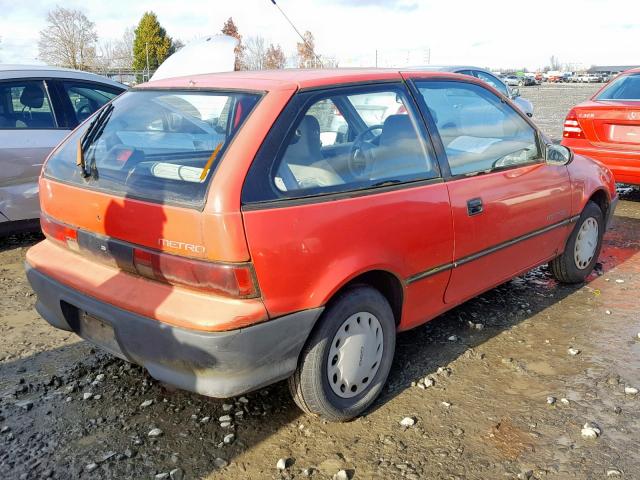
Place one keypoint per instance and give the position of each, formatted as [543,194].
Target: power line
[298,32]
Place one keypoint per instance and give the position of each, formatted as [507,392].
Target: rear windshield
[626,87]
[161,146]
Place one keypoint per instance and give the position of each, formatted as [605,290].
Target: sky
[489,33]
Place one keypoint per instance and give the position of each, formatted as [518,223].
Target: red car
[607,127]
[229,231]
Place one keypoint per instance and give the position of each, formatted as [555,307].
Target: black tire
[564,268]
[309,385]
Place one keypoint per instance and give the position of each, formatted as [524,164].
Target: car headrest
[32,96]
[305,146]
[396,128]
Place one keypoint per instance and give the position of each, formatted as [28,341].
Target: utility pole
[146,46]
[376,58]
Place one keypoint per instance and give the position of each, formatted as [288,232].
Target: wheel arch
[387,283]
[601,198]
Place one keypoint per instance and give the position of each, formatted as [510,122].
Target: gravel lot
[508,398]
[552,102]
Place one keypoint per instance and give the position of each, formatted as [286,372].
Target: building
[610,69]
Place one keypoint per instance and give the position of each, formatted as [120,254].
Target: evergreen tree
[152,40]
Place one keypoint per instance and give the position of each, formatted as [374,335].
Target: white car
[486,76]
[512,81]
[589,78]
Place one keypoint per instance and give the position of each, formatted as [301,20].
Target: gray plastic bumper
[220,364]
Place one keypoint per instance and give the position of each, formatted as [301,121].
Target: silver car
[39,106]
[486,76]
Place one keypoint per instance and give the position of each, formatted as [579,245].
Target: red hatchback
[607,127]
[229,231]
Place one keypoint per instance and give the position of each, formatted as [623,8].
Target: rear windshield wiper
[93,132]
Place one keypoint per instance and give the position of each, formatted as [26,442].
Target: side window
[25,104]
[480,133]
[384,145]
[86,98]
[493,81]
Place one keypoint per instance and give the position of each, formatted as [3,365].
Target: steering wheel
[361,157]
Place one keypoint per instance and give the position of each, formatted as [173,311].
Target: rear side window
[343,141]
[161,146]
[480,133]
[25,105]
[626,87]
[86,98]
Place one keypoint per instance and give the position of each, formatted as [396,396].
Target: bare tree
[124,49]
[555,63]
[116,54]
[230,28]
[274,58]
[307,57]
[68,40]
[255,53]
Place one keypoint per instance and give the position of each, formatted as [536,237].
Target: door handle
[474,206]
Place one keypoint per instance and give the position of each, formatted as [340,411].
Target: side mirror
[557,154]
[515,92]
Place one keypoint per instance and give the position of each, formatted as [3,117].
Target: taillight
[572,127]
[230,279]
[59,232]
[235,280]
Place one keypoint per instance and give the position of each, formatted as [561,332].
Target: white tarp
[211,54]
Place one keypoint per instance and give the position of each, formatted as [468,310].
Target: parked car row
[39,106]
[228,231]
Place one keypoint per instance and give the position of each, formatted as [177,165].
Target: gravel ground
[505,399]
[552,102]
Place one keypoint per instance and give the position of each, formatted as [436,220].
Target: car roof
[13,71]
[286,79]
[446,68]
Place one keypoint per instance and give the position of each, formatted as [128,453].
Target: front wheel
[346,361]
[583,247]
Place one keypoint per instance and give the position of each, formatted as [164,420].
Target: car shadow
[66,433]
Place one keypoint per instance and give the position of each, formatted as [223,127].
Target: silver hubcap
[355,354]
[586,243]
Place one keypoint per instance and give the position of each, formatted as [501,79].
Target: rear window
[161,146]
[626,87]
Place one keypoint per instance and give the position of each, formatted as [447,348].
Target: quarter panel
[303,254]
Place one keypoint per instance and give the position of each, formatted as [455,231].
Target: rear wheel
[583,247]
[346,361]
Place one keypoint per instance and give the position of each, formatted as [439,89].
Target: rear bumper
[217,364]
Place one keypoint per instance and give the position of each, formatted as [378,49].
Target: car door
[29,129]
[324,218]
[79,99]
[511,210]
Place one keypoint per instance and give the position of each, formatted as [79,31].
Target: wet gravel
[486,391]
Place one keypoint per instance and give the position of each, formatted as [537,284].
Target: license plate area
[624,133]
[98,332]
